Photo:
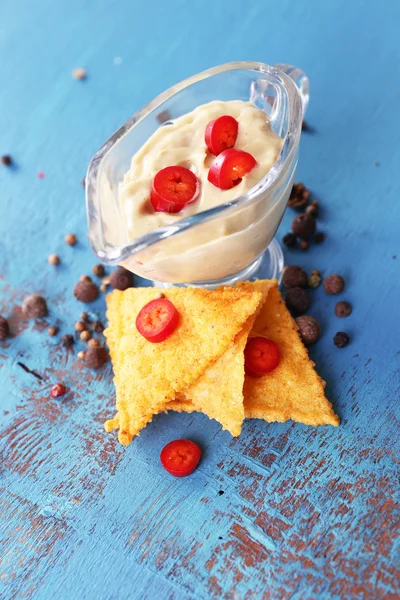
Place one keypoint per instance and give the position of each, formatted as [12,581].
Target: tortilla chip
[148,375]
[293,390]
[218,392]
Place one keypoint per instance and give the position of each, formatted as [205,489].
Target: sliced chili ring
[173,188]
[221,134]
[157,320]
[229,167]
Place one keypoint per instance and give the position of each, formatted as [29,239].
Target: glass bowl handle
[301,81]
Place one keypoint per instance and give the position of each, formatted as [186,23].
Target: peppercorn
[97,326]
[304,245]
[289,240]
[299,196]
[85,290]
[343,309]
[6,160]
[315,279]
[34,307]
[121,279]
[53,259]
[93,342]
[52,331]
[80,326]
[70,238]
[319,237]
[4,329]
[58,390]
[309,329]
[297,300]
[98,270]
[303,226]
[341,339]
[294,277]
[334,284]
[85,335]
[84,316]
[95,357]
[67,340]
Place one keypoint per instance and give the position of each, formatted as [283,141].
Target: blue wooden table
[284,511]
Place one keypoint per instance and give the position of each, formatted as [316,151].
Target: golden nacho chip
[218,392]
[148,375]
[293,390]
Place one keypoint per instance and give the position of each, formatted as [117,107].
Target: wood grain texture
[304,513]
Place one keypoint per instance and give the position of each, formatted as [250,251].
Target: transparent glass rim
[287,155]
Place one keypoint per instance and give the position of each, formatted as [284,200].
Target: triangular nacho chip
[148,375]
[293,390]
[218,392]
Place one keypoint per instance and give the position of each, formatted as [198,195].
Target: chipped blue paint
[305,512]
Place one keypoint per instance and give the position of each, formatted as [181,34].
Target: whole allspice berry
[309,329]
[294,277]
[303,226]
[93,342]
[121,279]
[4,329]
[81,355]
[315,279]
[85,290]
[341,339]
[297,300]
[70,238]
[34,307]
[98,270]
[334,284]
[52,331]
[343,309]
[53,259]
[95,357]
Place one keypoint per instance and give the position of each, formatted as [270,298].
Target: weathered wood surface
[285,511]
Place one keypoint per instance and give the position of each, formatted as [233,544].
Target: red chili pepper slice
[180,457]
[229,167]
[173,189]
[221,134]
[261,356]
[157,320]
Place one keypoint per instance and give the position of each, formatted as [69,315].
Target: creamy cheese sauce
[181,142]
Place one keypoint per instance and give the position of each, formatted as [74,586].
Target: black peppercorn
[341,339]
[289,240]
